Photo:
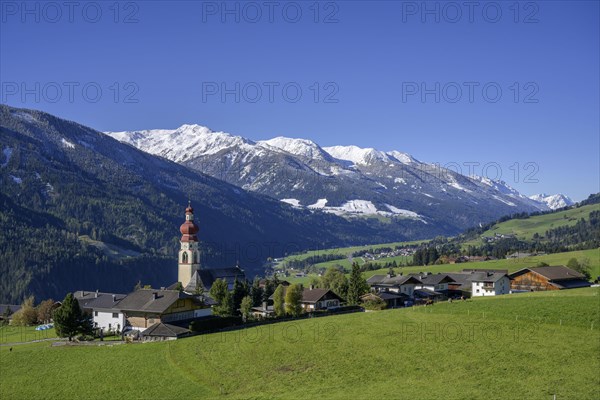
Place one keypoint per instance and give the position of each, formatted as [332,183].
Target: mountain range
[344,180]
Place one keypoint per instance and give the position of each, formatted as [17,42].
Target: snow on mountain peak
[554,201]
[355,154]
[300,147]
[181,144]
[404,158]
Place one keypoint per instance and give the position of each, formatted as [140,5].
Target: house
[102,306]
[399,284]
[263,311]
[7,311]
[547,278]
[319,299]
[146,307]
[162,331]
[434,283]
[392,300]
[489,283]
[316,299]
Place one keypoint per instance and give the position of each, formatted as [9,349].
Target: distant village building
[547,278]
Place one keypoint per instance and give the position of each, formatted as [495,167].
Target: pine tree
[357,285]
[69,320]
[256,292]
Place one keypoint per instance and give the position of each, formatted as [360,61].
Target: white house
[103,308]
[489,284]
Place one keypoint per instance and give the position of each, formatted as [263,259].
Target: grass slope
[520,346]
[524,229]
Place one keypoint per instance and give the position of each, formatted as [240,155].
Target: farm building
[547,278]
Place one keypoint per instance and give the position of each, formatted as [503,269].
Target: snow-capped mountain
[341,180]
[554,201]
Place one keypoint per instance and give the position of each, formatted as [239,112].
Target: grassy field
[15,334]
[346,251]
[516,346]
[510,264]
[524,229]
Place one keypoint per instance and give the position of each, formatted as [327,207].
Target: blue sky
[517,85]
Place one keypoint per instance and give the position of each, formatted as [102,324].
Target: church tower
[189,253]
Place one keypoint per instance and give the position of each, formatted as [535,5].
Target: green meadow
[524,229]
[520,346]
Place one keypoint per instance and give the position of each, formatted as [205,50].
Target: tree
[179,286]
[69,320]
[246,307]
[581,267]
[357,285]
[44,311]
[335,280]
[314,282]
[239,292]
[256,292]
[27,315]
[268,290]
[279,301]
[293,299]
[220,293]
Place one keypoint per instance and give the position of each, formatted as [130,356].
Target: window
[115,315]
[95,313]
[184,258]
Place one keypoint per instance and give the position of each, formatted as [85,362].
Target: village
[196,303]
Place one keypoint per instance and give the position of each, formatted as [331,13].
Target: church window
[184,258]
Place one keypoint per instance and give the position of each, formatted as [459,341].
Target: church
[192,276]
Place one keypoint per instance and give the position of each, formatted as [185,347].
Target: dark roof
[433,279]
[390,296]
[558,272]
[384,280]
[571,284]
[13,308]
[151,300]
[165,330]
[314,295]
[207,276]
[427,292]
[552,273]
[90,300]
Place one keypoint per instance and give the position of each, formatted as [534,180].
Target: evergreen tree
[69,320]
[293,299]
[357,285]
[256,292]
[239,292]
[279,301]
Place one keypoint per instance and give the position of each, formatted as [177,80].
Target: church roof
[205,277]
